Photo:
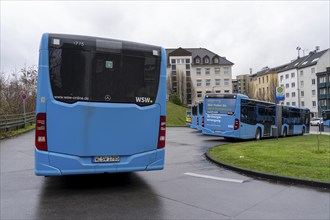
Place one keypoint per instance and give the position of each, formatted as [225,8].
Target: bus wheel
[284,132]
[258,134]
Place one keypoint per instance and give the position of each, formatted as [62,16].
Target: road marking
[214,178]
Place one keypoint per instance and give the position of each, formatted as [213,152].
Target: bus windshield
[97,70]
[220,106]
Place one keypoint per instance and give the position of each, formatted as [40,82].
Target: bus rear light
[41,139]
[162,132]
[236,125]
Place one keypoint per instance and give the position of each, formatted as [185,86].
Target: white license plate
[106,159]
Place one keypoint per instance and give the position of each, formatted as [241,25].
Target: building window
[281,78]
[198,71]
[263,79]
[226,71]
[206,60]
[292,75]
[217,71]
[287,76]
[207,71]
[301,72]
[293,85]
[217,82]
[322,79]
[313,81]
[287,85]
[267,78]
[199,83]
[287,103]
[173,61]
[313,92]
[188,66]
[314,103]
[301,84]
[313,70]
[259,80]
[302,93]
[323,91]
[198,60]
[208,91]
[199,94]
[302,104]
[208,82]
[187,60]
[173,67]
[226,91]
[287,95]
[226,82]
[293,94]
[216,60]
[293,103]
[217,91]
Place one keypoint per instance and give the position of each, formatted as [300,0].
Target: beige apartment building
[194,72]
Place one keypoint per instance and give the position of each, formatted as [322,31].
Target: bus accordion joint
[41,135]
[162,132]
[236,124]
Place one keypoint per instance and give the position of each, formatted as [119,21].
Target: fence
[14,122]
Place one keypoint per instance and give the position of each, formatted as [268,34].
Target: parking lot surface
[190,187]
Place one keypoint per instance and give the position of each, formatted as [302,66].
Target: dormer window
[206,60]
[198,60]
[216,60]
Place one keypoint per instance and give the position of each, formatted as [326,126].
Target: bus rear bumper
[55,164]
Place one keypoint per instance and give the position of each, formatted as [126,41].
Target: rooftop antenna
[317,48]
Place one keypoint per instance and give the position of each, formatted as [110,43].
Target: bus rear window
[103,71]
[220,106]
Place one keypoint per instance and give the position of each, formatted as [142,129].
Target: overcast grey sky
[251,34]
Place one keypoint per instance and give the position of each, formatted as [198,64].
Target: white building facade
[300,81]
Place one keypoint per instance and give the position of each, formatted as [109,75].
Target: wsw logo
[143,99]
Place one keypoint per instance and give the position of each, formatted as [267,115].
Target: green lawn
[305,157]
[175,115]
[8,134]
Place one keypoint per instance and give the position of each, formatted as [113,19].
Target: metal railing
[14,122]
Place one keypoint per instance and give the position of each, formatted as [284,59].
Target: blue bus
[200,116]
[101,106]
[326,117]
[194,119]
[237,116]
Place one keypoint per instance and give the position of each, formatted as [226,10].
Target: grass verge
[305,157]
[175,115]
[8,134]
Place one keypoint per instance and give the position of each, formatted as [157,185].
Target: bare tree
[182,87]
[12,87]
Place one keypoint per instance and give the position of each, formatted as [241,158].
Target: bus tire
[258,134]
[285,133]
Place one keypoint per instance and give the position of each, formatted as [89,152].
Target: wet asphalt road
[167,194]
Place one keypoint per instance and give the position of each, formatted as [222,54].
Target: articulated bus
[236,116]
[200,116]
[194,119]
[101,106]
